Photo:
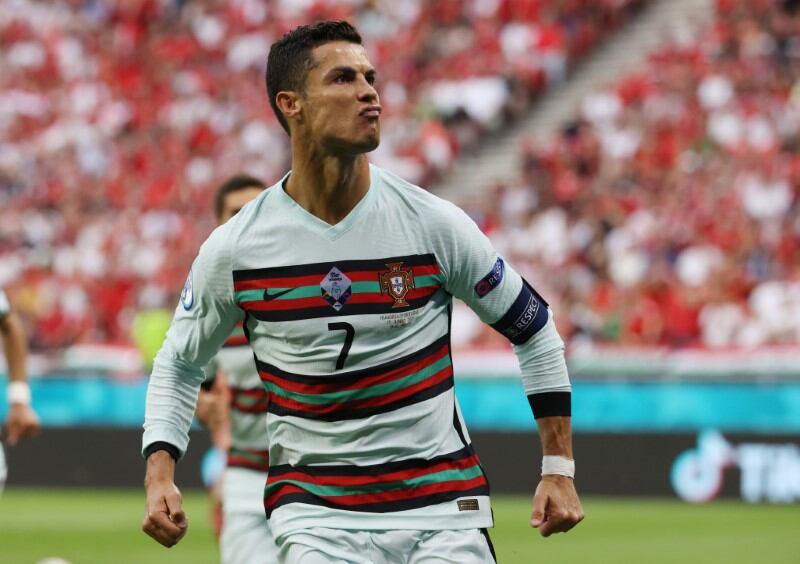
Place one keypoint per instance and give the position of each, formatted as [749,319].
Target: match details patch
[491,280]
[187,294]
[468,505]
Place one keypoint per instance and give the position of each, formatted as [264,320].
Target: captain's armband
[526,316]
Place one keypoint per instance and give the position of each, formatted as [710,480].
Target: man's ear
[290,104]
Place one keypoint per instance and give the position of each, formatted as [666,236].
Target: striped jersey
[248,456]
[248,406]
[350,325]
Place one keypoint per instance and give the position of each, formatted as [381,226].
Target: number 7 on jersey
[348,340]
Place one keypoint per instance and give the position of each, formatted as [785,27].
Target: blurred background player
[22,420]
[233,405]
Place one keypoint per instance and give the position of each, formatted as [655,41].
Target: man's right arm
[212,406]
[203,319]
[164,520]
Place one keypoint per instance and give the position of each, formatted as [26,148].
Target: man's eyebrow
[347,68]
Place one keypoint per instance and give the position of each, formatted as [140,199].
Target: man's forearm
[15,346]
[556,436]
[171,400]
[160,467]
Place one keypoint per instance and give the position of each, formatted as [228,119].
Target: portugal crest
[396,282]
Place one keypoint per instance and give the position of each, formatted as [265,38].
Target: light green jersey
[350,328]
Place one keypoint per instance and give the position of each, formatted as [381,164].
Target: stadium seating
[666,213]
[118,119]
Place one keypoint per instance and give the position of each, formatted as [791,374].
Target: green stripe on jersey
[362,393]
[333,491]
[314,290]
[249,296]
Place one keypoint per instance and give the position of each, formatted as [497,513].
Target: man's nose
[366,91]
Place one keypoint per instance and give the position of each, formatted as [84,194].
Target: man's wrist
[18,393]
[160,468]
[157,446]
[558,465]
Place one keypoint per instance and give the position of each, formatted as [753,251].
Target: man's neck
[326,186]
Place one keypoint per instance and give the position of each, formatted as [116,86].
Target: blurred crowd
[668,212]
[119,119]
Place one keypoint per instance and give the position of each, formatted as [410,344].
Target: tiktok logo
[769,472]
[697,474]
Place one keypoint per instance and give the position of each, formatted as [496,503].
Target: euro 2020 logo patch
[397,282]
[336,288]
[491,280]
[187,294]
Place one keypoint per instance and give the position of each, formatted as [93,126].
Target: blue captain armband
[526,316]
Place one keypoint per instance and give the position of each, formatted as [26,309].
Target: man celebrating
[345,274]
[21,421]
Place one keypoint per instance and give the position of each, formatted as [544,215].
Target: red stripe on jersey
[319,301]
[343,481]
[316,279]
[377,497]
[377,401]
[323,387]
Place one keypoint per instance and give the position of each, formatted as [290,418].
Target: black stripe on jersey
[360,413]
[485,534]
[323,268]
[551,404]
[353,376]
[348,309]
[526,316]
[373,469]
[380,507]
[456,420]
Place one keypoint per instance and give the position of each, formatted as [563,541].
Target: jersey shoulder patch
[187,294]
[491,280]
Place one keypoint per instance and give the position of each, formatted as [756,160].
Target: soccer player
[243,403]
[22,420]
[345,274]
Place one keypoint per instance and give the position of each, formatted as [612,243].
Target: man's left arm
[476,274]
[556,507]
[22,420]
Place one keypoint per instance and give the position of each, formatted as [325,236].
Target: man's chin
[363,145]
[372,145]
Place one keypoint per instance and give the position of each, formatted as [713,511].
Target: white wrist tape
[19,392]
[558,465]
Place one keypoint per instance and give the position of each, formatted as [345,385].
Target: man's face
[235,201]
[341,108]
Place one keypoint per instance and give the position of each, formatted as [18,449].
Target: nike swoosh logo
[269,297]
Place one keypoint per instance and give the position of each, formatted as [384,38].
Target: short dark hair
[290,57]
[234,184]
